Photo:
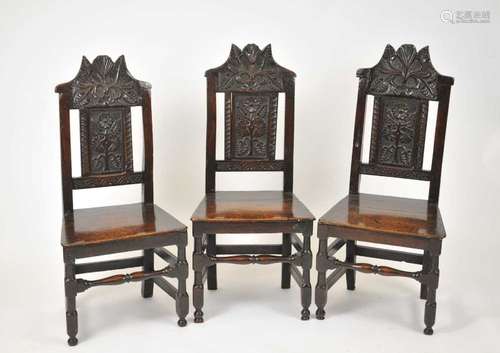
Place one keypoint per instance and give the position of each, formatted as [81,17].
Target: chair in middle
[251,81]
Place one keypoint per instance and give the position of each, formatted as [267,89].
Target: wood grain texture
[114,223]
[251,206]
[386,214]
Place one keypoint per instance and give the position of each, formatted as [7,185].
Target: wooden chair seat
[251,206]
[100,225]
[385,214]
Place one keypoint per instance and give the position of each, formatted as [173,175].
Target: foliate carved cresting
[398,132]
[251,70]
[404,72]
[106,141]
[252,123]
[104,83]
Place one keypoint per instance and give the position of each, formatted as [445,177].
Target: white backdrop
[171,44]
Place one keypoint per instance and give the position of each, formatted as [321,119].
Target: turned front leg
[286,250]
[321,292]
[425,269]
[305,289]
[70,292]
[432,284]
[182,298]
[148,266]
[212,270]
[198,268]
[350,275]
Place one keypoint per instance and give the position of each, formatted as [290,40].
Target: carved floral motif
[106,141]
[251,70]
[404,72]
[104,83]
[398,132]
[253,127]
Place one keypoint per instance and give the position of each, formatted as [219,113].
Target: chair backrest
[251,81]
[104,91]
[402,83]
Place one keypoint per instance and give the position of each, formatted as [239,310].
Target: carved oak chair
[402,83]
[104,93]
[251,81]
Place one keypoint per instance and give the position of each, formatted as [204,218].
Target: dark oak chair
[103,92]
[251,81]
[402,83]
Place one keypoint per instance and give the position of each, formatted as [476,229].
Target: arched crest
[103,83]
[251,70]
[404,72]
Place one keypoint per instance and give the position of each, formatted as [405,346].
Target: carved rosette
[252,70]
[104,83]
[404,72]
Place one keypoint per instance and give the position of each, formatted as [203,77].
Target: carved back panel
[251,81]
[250,126]
[104,91]
[398,132]
[106,141]
[402,83]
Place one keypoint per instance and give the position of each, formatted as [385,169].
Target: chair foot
[320,314]
[212,277]
[148,266]
[350,275]
[305,314]
[428,331]
[182,322]
[147,288]
[198,316]
[72,341]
